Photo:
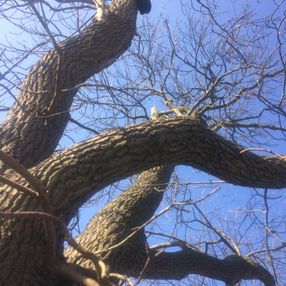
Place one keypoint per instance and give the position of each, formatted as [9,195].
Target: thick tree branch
[108,236]
[118,229]
[37,120]
[231,270]
[75,174]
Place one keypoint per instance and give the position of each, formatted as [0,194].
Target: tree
[216,81]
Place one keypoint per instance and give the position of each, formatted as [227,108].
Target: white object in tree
[154,112]
[101,10]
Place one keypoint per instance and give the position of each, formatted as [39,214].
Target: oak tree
[220,87]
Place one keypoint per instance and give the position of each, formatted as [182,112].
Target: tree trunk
[34,127]
[38,118]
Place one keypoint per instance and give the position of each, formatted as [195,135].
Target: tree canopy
[170,127]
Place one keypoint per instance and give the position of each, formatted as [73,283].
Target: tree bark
[178,265]
[91,165]
[72,176]
[116,233]
[37,120]
[34,127]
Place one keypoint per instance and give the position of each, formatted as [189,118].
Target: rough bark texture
[125,222]
[32,130]
[37,120]
[73,175]
[116,235]
[119,153]
[34,127]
